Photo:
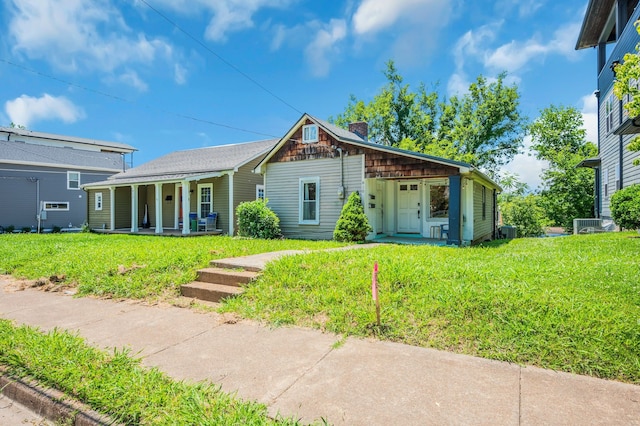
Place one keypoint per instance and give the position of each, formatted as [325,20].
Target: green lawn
[156,266]
[569,303]
[114,383]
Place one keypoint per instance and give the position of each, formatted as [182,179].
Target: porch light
[613,66]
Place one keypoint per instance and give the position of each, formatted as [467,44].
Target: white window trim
[51,209]
[605,182]
[309,140]
[98,199]
[69,180]
[302,181]
[200,186]
[258,188]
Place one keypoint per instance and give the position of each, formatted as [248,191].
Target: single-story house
[311,171]
[171,189]
[41,175]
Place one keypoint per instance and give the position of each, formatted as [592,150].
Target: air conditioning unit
[587,226]
[508,232]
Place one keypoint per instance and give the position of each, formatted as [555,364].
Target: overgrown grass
[117,385]
[570,303]
[127,266]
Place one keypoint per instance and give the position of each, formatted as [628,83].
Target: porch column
[112,208]
[158,208]
[231,230]
[186,207]
[134,208]
[455,210]
[176,206]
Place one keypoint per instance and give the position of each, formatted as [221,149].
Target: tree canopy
[483,127]
[558,137]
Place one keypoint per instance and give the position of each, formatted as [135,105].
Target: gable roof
[346,136]
[191,164]
[93,143]
[55,156]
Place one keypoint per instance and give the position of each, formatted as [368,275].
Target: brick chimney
[360,128]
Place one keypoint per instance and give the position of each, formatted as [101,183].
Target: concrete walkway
[311,375]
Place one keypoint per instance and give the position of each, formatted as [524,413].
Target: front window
[259,192]
[439,201]
[73,180]
[309,208]
[56,205]
[310,133]
[484,202]
[608,113]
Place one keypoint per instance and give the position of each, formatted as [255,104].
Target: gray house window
[608,113]
[56,205]
[309,206]
[259,192]
[98,200]
[73,180]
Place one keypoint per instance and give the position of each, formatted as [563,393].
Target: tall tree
[483,127]
[559,138]
[627,84]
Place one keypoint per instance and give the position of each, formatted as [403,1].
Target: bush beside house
[256,220]
[625,207]
[353,225]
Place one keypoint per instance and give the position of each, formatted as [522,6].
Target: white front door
[409,212]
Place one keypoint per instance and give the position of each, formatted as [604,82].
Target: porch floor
[408,239]
[152,231]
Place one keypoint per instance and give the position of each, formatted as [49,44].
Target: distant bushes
[256,220]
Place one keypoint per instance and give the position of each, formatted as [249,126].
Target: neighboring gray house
[41,176]
[218,178]
[312,170]
[611,22]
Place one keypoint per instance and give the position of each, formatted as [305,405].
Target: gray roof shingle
[58,156]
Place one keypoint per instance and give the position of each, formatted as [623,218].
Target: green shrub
[26,229]
[525,214]
[256,220]
[353,225]
[9,229]
[625,207]
[56,229]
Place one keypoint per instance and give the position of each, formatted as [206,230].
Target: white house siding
[609,152]
[482,228]
[282,183]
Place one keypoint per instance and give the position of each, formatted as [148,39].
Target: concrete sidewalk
[309,375]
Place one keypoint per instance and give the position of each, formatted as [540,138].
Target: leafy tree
[353,225]
[525,213]
[256,220]
[558,137]
[625,207]
[628,83]
[512,187]
[483,127]
[17,126]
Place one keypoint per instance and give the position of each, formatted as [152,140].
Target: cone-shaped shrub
[353,225]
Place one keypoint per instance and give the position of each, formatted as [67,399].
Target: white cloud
[322,49]
[180,74]
[515,55]
[80,35]
[527,167]
[227,15]
[590,117]
[27,110]
[375,15]
[132,79]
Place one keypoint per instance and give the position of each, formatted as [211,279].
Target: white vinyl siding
[284,197]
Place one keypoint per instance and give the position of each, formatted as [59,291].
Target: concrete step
[224,265]
[208,291]
[225,276]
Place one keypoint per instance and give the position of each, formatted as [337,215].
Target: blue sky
[137,78]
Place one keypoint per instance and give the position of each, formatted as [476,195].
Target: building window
[608,113]
[73,180]
[617,177]
[260,192]
[56,205]
[98,201]
[310,133]
[309,206]
[205,199]
[605,181]
[439,201]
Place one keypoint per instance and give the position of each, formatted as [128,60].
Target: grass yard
[127,266]
[569,303]
[114,383]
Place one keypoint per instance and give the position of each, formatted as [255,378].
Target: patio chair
[444,229]
[208,223]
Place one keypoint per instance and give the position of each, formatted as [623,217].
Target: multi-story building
[41,176]
[608,27]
